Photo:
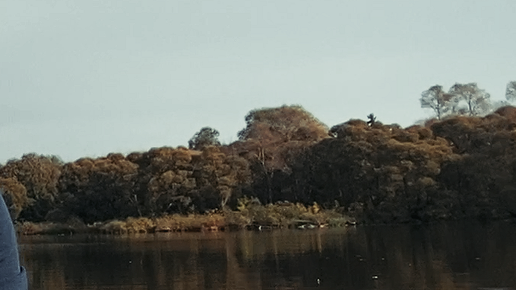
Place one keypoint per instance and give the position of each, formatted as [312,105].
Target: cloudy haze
[86,78]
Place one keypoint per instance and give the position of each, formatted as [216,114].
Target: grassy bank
[248,216]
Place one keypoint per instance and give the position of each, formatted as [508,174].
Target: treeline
[464,99]
[457,167]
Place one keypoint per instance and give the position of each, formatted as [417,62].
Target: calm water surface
[444,256]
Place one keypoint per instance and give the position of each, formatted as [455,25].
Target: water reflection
[447,256]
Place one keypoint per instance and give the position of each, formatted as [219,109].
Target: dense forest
[460,164]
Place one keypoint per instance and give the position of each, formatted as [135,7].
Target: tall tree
[510,92]
[272,136]
[205,137]
[437,99]
[286,123]
[477,100]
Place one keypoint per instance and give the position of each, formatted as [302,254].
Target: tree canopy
[461,99]
[284,124]
[437,99]
[205,137]
[476,101]
[462,164]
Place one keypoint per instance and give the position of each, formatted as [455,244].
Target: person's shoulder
[18,282]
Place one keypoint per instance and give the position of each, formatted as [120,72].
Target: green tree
[205,137]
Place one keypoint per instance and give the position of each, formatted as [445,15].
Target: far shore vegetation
[286,170]
[250,215]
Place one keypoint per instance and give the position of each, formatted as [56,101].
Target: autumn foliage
[456,167]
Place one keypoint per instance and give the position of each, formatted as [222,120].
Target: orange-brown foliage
[15,195]
[508,112]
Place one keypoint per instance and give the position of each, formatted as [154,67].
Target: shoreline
[257,217]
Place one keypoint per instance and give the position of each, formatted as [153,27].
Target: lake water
[443,256]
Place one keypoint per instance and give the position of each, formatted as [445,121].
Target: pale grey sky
[85,78]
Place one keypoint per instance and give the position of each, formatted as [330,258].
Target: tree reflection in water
[445,256]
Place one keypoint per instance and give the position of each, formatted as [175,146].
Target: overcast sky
[85,78]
